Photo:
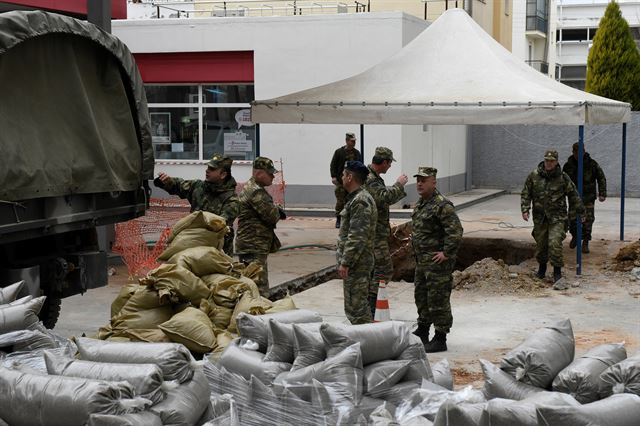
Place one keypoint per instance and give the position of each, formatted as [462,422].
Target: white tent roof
[452,73]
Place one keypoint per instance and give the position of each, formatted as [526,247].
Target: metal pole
[425,11]
[362,141]
[578,218]
[624,164]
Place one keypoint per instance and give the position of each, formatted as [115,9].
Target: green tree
[613,66]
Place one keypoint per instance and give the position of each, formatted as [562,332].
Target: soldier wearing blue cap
[355,243]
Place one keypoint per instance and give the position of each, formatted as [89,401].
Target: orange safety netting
[140,241]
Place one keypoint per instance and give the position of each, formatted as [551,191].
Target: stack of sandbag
[200,228]
[192,300]
[163,374]
[290,368]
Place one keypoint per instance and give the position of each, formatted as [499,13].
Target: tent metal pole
[622,178]
[362,141]
[578,218]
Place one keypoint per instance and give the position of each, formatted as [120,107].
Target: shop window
[192,122]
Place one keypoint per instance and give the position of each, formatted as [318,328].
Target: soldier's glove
[283,215]
[158,183]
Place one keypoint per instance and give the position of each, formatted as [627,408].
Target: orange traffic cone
[382,304]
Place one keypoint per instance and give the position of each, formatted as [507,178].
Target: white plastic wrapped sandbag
[146,418]
[9,293]
[506,412]
[250,363]
[21,301]
[33,399]
[623,377]
[186,403]
[146,379]
[3,423]
[222,411]
[281,340]
[379,341]
[419,369]
[308,347]
[26,340]
[255,327]
[395,394]
[262,405]
[426,403]
[581,379]
[498,384]
[383,375]
[538,359]
[343,373]
[174,359]
[20,317]
[442,376]
[616,410]
[454,414]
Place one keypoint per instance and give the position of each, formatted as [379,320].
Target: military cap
[551,154]
[384,153]
[356,167]
[219,161]
[350,135]
[264,163]
[426,172]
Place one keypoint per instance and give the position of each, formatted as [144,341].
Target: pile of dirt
[404,264]
[494,276]
[628,257]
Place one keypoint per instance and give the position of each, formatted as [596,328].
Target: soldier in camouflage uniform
[384,197]
[257,220]
[436,237]
[355,243]
[340,156]
[215,194]
[548,188]
[592,174]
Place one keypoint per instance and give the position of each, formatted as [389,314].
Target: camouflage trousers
[587,225]
[228,243]
[341,195]
[356,292]
[549,237]
[432,295]
[263,279]
[382,268]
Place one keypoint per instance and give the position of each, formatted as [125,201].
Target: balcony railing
[540,66]
[537,15]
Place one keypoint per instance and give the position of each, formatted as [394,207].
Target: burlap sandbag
[146,319]
[123,296]
[250,305]
[176,284]
[35,399]
[498,384]
[506,412]
[538,359]
[20,317]
[146,379]
[203,261]
[618,410]
[419,369]
[185,404]
[147,335]
[581,379]
[174,359]
[198,229]
[622,377]
[226,290]
[247,363]
[198,220]
[193,329]
[219,316]
[282,305]
[223,339]
[143,298]
[9,293]
[255,327]
[379,341]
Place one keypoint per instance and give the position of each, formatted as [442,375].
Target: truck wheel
[50,311]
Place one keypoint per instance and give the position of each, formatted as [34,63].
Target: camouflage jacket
[384,197]
[356,237]
[436,227]
[340,156]
[592,174]
[206,196]
[548,192]
[257,221]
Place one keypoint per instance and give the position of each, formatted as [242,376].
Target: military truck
[75,151]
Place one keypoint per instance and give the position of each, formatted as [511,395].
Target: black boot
[542,270]
[437,344]
[557,273]
[585,246]
[573,243]
[337,221]
[372,305]
[423,332]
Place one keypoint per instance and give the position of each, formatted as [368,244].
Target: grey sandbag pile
[498,384]
[618,410]
[21,316]
[506,412]
[256,327]
[442,374]
[538,359]
[582,378]
[10,293]
[453,413]
[623,377]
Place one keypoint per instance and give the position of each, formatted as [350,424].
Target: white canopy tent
[452,73]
